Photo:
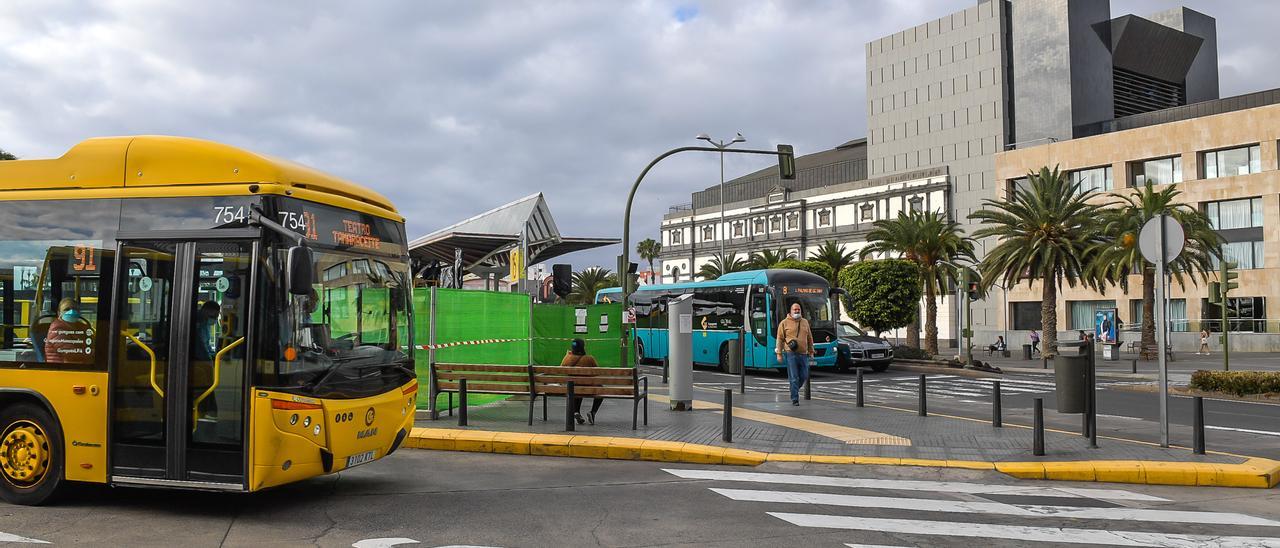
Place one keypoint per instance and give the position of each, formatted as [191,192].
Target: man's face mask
[795,315]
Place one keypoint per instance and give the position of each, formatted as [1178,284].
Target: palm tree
[6,156]
[1048,231]
[589,281]
[832,254]
[935,244]
[769,258]
[721,265]
[1118,257]
[649,249]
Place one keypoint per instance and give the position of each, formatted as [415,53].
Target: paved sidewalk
[1180,368]
[768,423]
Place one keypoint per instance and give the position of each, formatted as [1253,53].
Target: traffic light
[562,279]
[786,162]
[1228,274]
[1215,293]
[970,281]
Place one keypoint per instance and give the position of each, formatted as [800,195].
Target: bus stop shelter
[486,244]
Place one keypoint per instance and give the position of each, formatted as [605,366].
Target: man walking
[795,345]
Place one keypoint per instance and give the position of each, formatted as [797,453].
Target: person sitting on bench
[577,357]
[999,346]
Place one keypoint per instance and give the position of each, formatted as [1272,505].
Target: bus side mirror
[299,269]
[836,291]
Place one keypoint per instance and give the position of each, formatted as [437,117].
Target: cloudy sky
[451,108]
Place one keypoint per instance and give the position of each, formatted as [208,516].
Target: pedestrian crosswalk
[966,389]
[899,512]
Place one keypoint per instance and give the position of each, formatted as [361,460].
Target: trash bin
[1026,351]
[734,364]
[1069,376]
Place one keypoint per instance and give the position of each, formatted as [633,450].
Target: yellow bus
[172,315]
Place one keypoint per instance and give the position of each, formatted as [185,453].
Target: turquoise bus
[719,306]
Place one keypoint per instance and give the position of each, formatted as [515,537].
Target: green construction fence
[499,326]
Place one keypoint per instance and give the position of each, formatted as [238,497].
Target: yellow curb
[624,448]
[1255,472]
[1024,470]
[589,447]
[1119,472]
[513,443]
[1070,471]
[550,445]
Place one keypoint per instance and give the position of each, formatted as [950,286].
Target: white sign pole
[1162,339]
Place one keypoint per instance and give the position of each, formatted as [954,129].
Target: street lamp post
[786,167]
[723,231]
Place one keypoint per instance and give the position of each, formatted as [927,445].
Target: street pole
[723,231]
[1162,341]
[626,217]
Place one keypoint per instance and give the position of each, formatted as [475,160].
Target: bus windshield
[814,305]
[350,336]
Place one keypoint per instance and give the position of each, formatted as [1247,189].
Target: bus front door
[178,376]
[756,356]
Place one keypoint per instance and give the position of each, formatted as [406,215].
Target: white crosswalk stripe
[952,508]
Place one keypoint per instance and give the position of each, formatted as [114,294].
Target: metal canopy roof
[486,238]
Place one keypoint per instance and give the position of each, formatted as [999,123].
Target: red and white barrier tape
[465,343]
[494,341]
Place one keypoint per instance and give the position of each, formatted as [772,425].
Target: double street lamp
[724,230]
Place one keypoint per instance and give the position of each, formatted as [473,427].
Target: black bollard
[462,402]
[665,362]
[1038,429]
[451,404]
[1199,426]
[807,390]
[924,407]
[728,415]
[1133,366]
[996,420]
[859,387]
[568,407]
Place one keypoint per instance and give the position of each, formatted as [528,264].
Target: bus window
[49,302]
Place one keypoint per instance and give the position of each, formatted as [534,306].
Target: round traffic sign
[1149,239]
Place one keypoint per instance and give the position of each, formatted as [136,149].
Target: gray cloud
[453,108]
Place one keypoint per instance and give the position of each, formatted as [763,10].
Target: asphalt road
[1128,409]
[430,498]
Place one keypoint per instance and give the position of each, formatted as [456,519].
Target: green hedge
[1239,383]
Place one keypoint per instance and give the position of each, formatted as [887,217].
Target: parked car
[858,349]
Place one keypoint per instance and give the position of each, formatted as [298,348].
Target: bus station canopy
[485,240]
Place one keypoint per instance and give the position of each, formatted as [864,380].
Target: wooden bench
[598,382]
[540,380]
[506,380]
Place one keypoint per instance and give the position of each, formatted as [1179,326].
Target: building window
[824,217]
[793,221]
[775,223]
[1026,316]
[867,212]
[1231,214]
[1019,184]
[1248,314]
[1232,161]
[1082,313]
[1246,255]
[738,227]
[917,204]
[708,233]
[1097,179]
[758,225]
[677,237]
[1157,172]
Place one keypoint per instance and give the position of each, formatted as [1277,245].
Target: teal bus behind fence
[719,306]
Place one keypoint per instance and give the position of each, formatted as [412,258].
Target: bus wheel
[724,358]
[31,457]
[639,352]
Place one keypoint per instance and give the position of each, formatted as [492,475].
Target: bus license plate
[356,460]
